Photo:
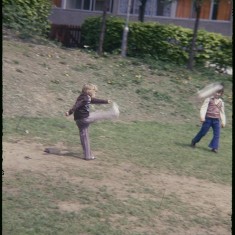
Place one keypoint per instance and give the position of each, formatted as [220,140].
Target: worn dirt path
[208,197]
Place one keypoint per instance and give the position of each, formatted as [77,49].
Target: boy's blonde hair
[89,89]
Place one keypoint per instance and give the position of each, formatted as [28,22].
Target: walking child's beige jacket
[204,108]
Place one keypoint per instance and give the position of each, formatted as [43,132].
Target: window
[205,9]
[123,6]
[224,10]
[214,10]
[152,8]
[88,5]
[163,8]
[184,9]
[77,4]
[134,7]
[99,5]
[81,4]
[211,9]
[149,7]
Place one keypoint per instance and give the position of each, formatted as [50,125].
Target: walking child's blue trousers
[215,124]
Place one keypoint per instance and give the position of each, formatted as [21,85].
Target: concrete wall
[77,17]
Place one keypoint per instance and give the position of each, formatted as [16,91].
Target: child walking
[212,115]
[83,117]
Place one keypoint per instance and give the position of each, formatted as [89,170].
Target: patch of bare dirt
[70,206]
[209,198]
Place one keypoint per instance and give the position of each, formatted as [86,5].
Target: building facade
[216,15]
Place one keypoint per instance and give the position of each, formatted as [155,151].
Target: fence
[68,35]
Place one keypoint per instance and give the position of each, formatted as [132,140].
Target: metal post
[125,31]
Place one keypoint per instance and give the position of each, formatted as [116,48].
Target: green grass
[153,145]
[117,193]
[34,209]
[34,206]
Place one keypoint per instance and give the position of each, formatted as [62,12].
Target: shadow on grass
[188,145]
[64,153]
[71,154]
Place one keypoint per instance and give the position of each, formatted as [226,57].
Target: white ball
[209,90]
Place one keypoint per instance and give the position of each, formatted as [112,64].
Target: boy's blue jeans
[215,124]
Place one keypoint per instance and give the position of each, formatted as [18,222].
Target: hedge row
[165,42]
[27,16]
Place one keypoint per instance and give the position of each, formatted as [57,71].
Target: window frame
[92,3]
[152,4]
[110,10]
[211,12]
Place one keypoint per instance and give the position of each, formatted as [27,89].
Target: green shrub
[90,31]
[165,42]
[214,48]
[223,55]
[27,16]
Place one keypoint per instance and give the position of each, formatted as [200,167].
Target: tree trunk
[103,27]
[192,50]
[142,10]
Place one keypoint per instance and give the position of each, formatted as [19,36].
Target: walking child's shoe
[214,150]
[193,145]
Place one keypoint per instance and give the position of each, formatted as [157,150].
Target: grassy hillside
[44,80]
[145,180]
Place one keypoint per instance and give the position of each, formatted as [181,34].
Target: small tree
[192,50]
[103,28]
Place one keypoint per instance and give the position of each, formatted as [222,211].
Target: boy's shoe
[193,145]
[91,158]
[214,150]
[115,110]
